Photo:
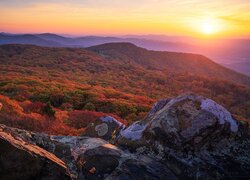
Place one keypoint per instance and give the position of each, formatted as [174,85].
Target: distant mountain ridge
[27,39]
[54,40]
[232,53]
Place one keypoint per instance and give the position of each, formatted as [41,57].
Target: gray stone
[22,160]
[95,163]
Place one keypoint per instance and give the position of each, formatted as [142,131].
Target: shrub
[48,109]
[89,106]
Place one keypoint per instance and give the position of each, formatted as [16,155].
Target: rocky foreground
[187,137]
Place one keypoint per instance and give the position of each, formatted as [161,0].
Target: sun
[208,28]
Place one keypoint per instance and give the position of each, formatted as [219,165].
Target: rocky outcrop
[67,148]
[189,137]
[196,136]
[20,159]
[187,122]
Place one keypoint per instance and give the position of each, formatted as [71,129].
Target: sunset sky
[222,18]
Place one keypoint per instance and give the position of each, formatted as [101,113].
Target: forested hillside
[61,90]
[169,61]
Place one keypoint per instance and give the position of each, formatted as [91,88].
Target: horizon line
[74,35]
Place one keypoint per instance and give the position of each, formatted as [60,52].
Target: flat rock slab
[22,160]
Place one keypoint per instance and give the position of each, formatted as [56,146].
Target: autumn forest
[62,90]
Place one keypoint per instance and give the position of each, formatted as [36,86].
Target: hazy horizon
[124,35]
[195,18]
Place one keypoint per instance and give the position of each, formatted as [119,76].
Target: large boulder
[40,139]
[95,163]
[22,160]
[61,150]
[69,148]
[196,137]
[105,127]
[186,122]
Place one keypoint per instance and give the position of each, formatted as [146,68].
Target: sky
[215,18]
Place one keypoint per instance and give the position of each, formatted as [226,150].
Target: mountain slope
[73,85]
[169,61]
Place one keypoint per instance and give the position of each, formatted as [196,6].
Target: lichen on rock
[177,123]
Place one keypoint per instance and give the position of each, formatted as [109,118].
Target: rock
[95,163]
[79,145]
[40,139]
[22,160]
[189,137]
[196,137]
[142,168]
[132,137]
[159,105]
[105,127]
[186,122]
[45,141]
[68,148]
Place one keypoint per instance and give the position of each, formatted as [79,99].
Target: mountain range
[232,53]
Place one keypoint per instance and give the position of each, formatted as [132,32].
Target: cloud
[236,19]
[22,3]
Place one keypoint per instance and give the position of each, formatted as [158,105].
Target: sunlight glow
[197,18]
[208,28]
